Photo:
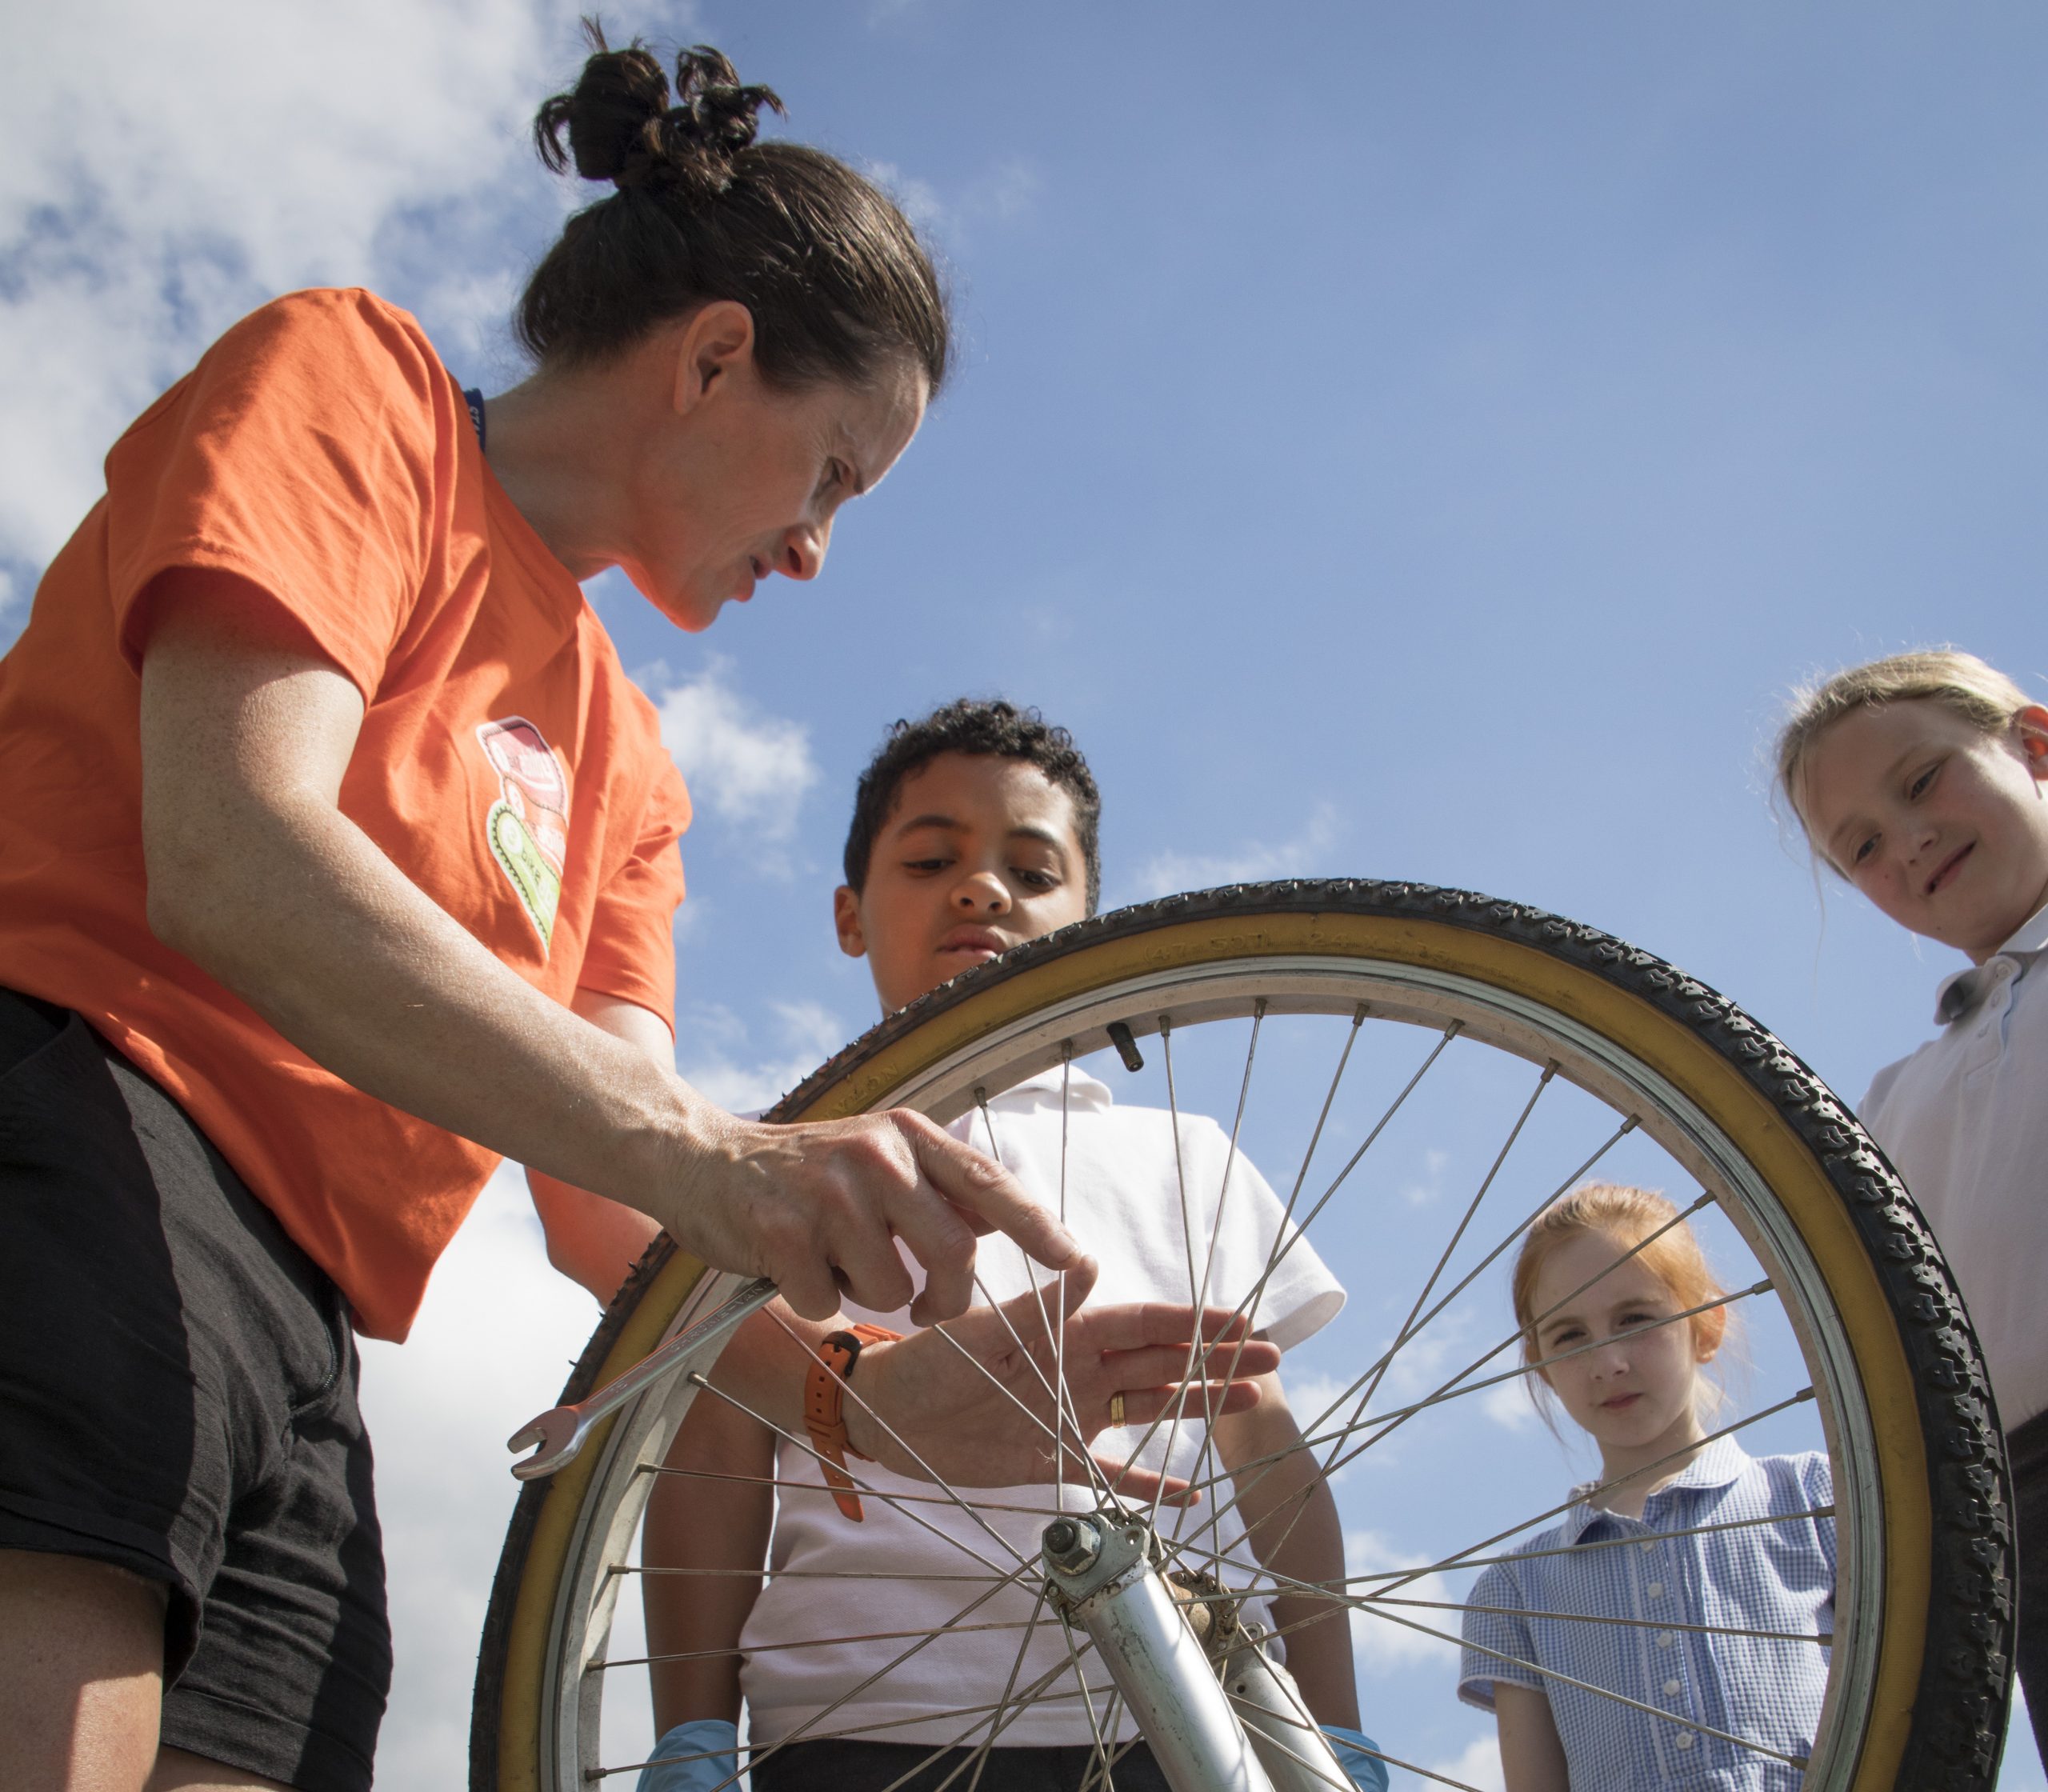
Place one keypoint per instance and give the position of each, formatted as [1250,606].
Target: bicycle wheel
[1373,1044]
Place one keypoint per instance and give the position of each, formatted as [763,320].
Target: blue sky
[1421,442]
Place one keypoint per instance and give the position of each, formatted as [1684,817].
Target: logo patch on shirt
[528,826]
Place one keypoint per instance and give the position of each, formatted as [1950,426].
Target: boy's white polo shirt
[1964,1119]
[1123,1203]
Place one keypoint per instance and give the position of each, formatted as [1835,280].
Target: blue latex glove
[1368,1773]
[711,1737]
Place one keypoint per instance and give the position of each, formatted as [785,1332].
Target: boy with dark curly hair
[975,830]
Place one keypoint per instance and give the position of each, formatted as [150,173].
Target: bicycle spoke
[1408,1327]
[762,1750]
[1445,1390]
[1289,1236]
[658,1572]
[1385,1120]
[1112,1718]
[866,1487]
[1459,1391]
[1824,1639]
[1059,1340]
[938,1480]
[1627,1126]
[1205,1449]
[1056,1389]
[982,1368]
[1332,1463]
[1009,1687]
[1462,1558]
[997,1720]
[833,1642]
[1611,1542]
[897,1498]
[1621,1132]
[979,1759]
[1568,1549]
[1466,1557]
[1785,1405]
[1081,1680]
[1370,1603]
[1314,1769]
[1187,1238]
[1797,1761]
[887,1668]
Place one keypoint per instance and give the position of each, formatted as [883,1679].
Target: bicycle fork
[1219,1715]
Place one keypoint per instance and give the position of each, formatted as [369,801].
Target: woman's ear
[713,342]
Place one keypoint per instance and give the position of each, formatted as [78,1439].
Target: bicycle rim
[1917,1687]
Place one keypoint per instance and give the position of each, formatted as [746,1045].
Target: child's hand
[1367,1772]
[969,1398]
[818,1208]
[700,1756]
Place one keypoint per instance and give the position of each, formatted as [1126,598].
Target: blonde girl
[1598,1287]
[1923,780]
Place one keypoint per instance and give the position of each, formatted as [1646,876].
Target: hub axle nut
[1071,1544]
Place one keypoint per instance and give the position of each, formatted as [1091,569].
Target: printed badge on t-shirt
[528,825]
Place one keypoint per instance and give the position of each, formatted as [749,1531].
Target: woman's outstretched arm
[258,877]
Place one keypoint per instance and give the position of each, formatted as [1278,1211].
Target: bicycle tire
[1936,1531]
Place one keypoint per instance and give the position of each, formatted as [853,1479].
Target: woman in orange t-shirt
[337,859]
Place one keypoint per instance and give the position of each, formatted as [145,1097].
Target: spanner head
[559,1433]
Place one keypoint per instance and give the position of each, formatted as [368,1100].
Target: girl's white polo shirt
[1965,1121]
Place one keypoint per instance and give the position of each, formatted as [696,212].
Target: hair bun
[621,128]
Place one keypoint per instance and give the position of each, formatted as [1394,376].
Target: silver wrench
[561,1431]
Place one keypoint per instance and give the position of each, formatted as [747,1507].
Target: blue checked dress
[1775,1576]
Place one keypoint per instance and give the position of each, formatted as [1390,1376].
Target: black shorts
[178,1383]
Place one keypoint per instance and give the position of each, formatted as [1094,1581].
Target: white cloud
[1479,1767]
[492,1347]
[1382,1646]
[1311,1393]
[1429,1185]
[175,168]
[917,198]
[1431,1356]
[718,1055]
[1010,190]
[1508,1403]
[999,194]
[742,764]
[1165,874]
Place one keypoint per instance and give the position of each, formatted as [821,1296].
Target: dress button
[1650,1544]
[1671,1688]
[1655,1590]
[1665,1639]
[1686,1739]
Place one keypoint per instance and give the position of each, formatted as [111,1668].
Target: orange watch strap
[824,1413]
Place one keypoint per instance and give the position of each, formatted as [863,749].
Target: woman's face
[740,478]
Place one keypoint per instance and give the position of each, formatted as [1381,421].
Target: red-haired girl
[1657,1585]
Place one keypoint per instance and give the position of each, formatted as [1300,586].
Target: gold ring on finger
[1116,1410]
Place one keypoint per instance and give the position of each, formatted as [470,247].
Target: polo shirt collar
[1961,993]
[1723,1462]
[1083,1090]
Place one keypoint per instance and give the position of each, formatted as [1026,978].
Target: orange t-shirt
[505,764]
